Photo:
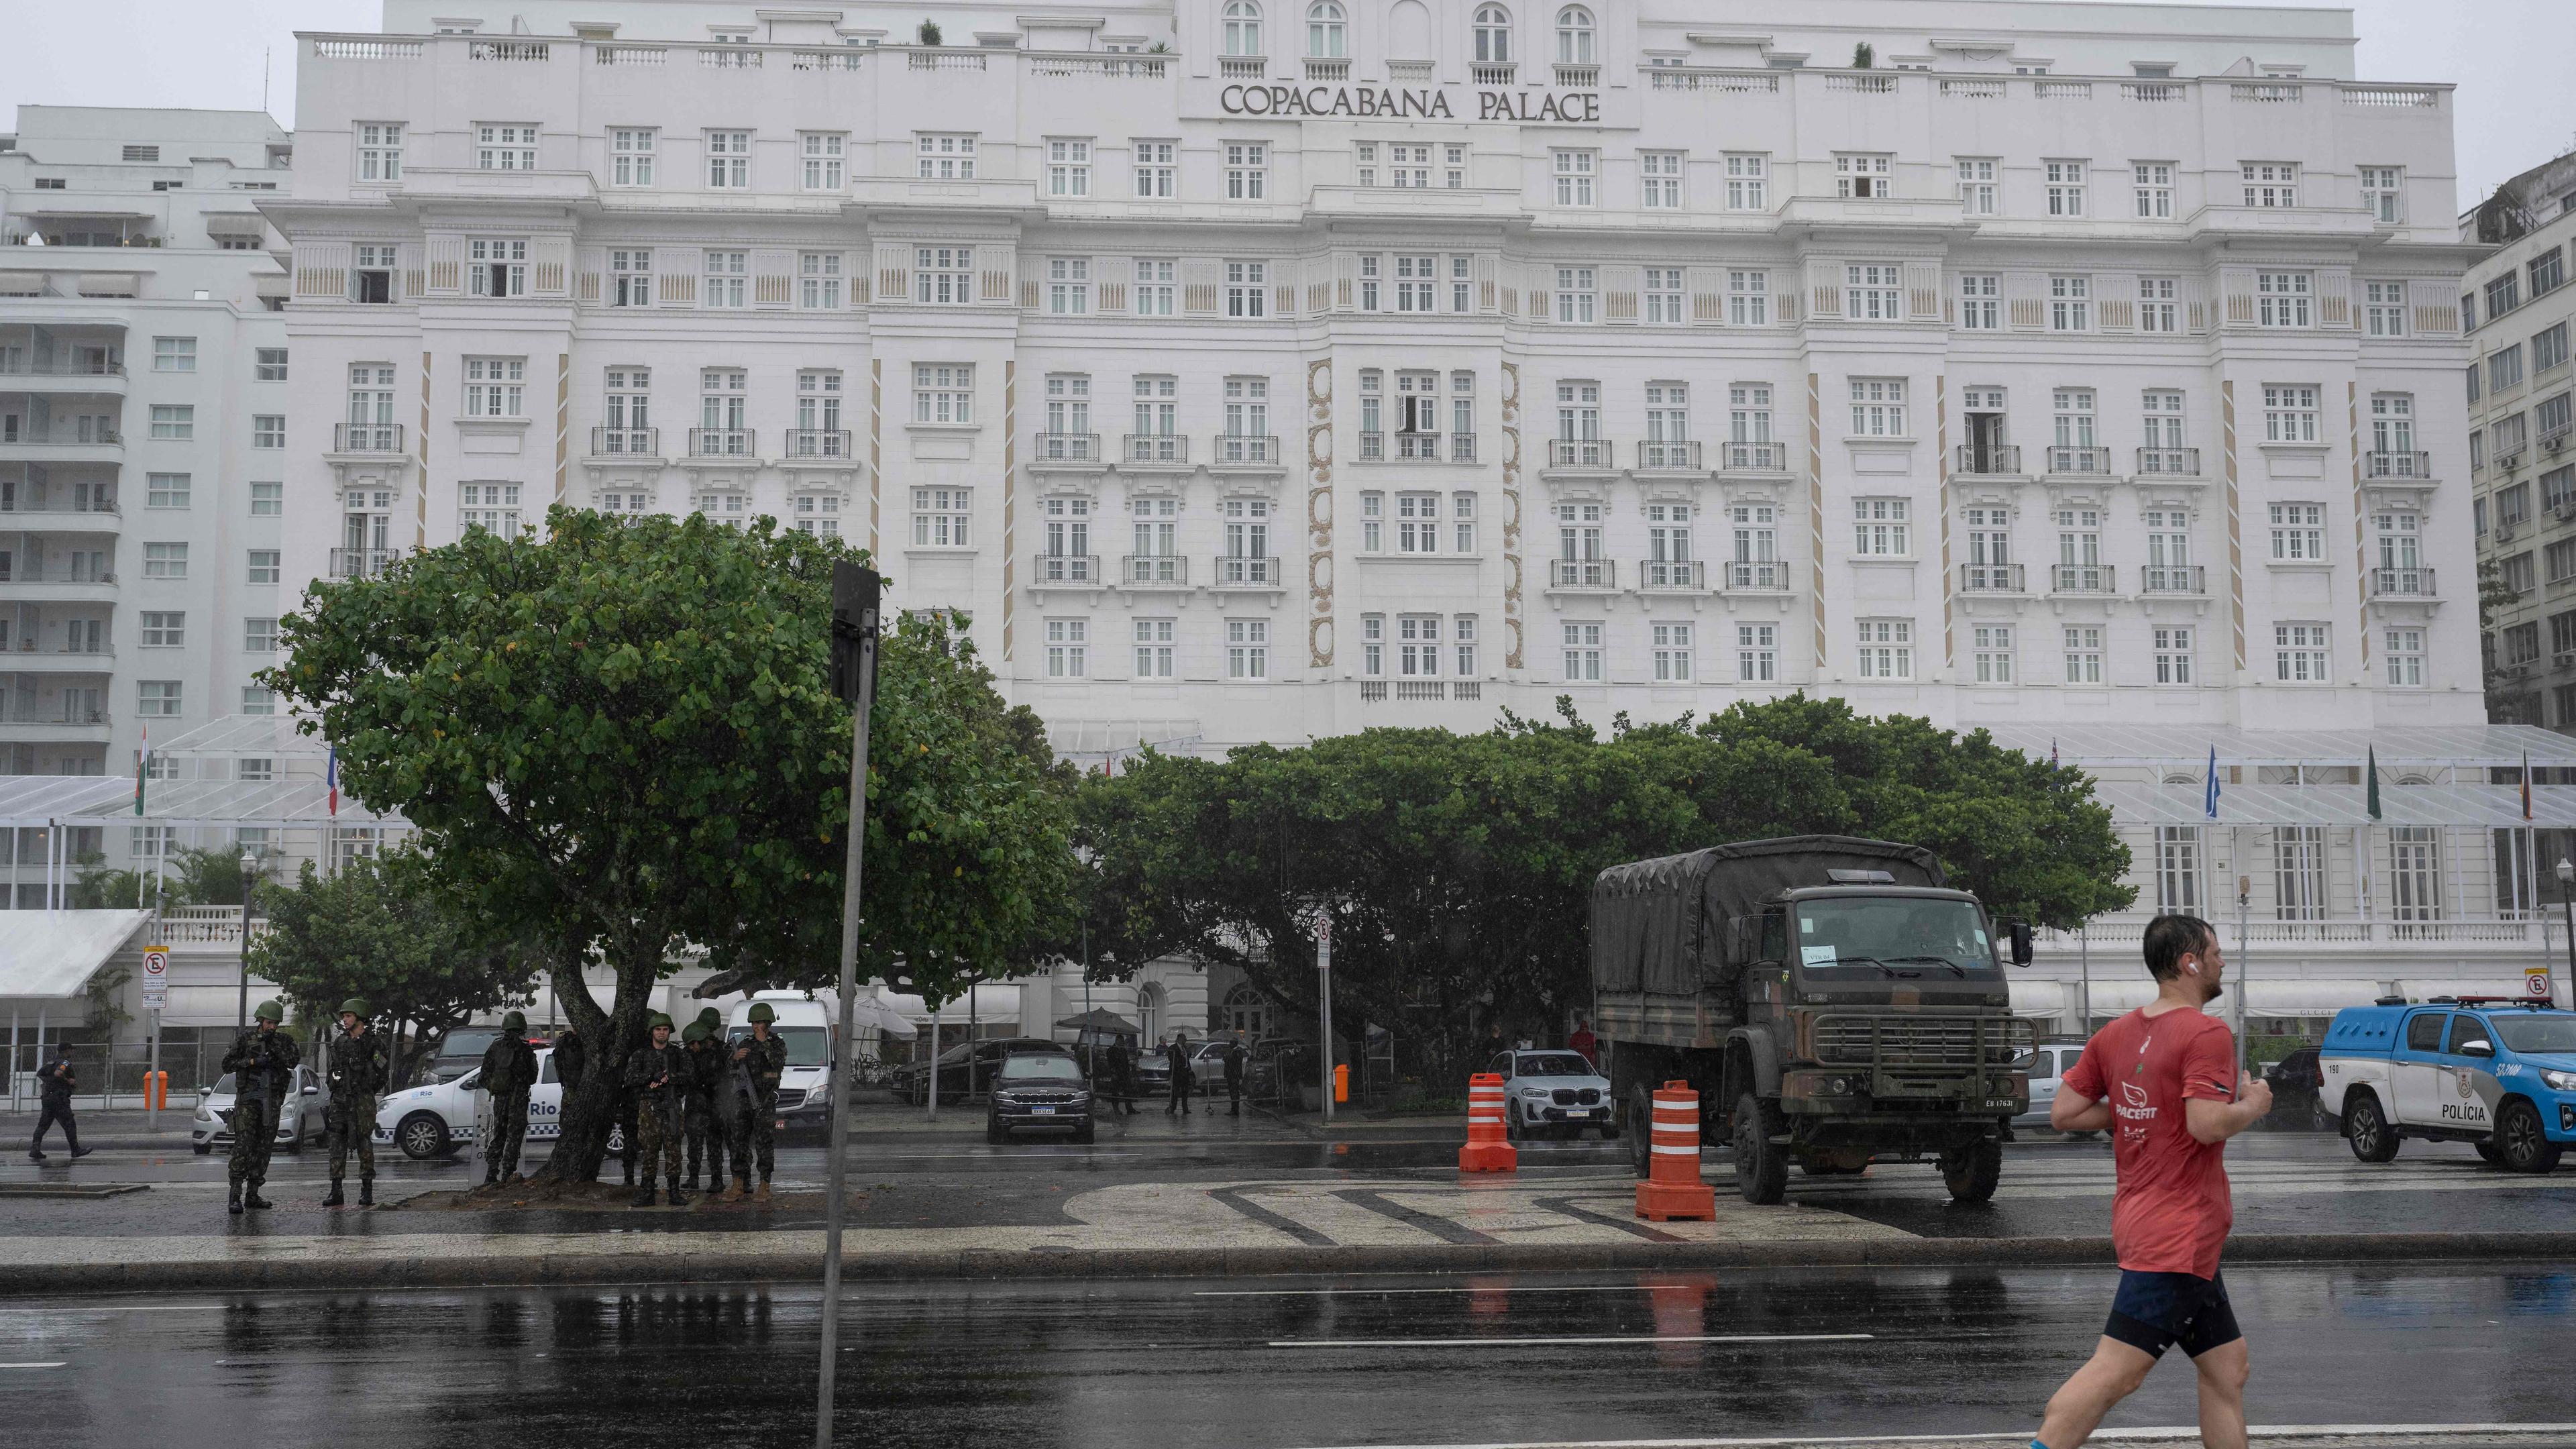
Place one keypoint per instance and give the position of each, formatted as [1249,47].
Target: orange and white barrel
[1489,1147]
[1673,1188]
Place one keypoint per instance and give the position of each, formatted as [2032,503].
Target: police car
[441,1118]
[2492,1071]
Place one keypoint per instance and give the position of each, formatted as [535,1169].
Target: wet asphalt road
[1261,1363]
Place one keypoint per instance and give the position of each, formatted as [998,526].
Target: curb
[763,1264]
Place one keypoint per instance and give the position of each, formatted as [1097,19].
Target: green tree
[620,738]
[390,930]
[204,876]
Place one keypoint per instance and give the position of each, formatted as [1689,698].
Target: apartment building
[1255,370]
[143,442]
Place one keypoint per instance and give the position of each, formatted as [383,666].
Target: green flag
[2374,782]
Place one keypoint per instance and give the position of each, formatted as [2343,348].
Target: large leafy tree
[621,738]
[1458,868]
[391,931]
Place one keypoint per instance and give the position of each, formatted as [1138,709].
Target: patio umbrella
[875,1011]
[1102,1019]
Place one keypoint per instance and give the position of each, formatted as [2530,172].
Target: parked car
[966,1070]
[1550,1092]
[1038,1089]
[440,1118]
[459,1052]
[2297,1100]
[2048,1067]
[1207,1065]
[1153,1072]
[299,1117]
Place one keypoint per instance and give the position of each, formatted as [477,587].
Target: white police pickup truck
[442,1118]
[2498,1073]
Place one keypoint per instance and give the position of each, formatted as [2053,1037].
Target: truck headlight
[1839,1085]
[2560,1081]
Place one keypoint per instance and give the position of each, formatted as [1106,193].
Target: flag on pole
[331,777]
[2209,792]
[2374,782]
[142,769]
[2526,784]
[2052,752]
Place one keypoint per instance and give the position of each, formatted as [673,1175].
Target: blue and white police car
[445,1117]
[2496,1072]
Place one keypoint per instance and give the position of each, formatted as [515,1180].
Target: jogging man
[2164,1080]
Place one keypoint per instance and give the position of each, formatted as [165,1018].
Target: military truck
[1833,1003]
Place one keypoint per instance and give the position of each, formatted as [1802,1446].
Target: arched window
[1325,31]
[1574,36]
[1493,35]
[1242,28]
[1149,1015]
[1249,1012]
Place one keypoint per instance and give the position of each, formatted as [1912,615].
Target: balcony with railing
[29,660]
[65,719]
[723,443]
[1582,575]
[29,585]
[1579,455]
[1989,460]
[1673,576]
[2382,464]
[1578,77]
[2082,579]
[1328,68]
[1081,450]
[1242,67]
[366,439]
[1155,571]
[1493,73]
[1157,450]
[2004,578]
[361,563]
[1755,576]
[2169,462]
[626,442]
[2401,583]
[2089,462]
[1658,456]
[61,376]
[1245,450]
[1754,457]
[1065,570]
[818,445]
[1246,571]
[2185,579]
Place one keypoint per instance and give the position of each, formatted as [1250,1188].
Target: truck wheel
[2522,1145]
[1971,1172]
[1641,1132]
[1761,1167]
[2365,1125]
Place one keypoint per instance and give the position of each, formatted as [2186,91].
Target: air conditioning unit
[2554,442]
[2504,532]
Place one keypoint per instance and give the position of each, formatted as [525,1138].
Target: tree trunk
[591,1109]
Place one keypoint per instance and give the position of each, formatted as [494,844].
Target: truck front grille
[1917,1041]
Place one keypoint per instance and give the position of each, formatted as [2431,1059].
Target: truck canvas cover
[1659,926]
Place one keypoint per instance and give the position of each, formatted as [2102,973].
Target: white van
[806,1024]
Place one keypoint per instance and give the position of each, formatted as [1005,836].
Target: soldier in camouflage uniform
[659,1075]
[509,1070]
[754,1067]
[355,1078]
[706,1136]
[262,1062]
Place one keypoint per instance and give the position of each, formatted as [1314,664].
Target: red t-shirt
[2171,1210]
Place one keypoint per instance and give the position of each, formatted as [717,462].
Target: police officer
[355,1077]
[755,1067]
[658,1076]
[262,1062]
[509,1070]
[1236,1059]
[706,1140]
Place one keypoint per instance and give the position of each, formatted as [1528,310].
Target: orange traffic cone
[1487,1149]
[1672,1188]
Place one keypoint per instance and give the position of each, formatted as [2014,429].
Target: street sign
[2535,982]
[156,977]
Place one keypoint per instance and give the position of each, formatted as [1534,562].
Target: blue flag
[2209,797]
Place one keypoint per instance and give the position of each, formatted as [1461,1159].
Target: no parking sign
[2535,983]
[156,977]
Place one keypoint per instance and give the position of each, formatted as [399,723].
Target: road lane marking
[129,1308]
[30,1365]
[1565,1341]
[2409,1434]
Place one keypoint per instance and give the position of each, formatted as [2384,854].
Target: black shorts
[2153,1312]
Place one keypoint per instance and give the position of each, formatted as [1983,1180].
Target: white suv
[299,1117]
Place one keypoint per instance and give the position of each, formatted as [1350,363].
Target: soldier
[1236,1061]
[755,1067]
[509,1070]
[659,1075]
[355,1077]
[706,1140]
[262,1062]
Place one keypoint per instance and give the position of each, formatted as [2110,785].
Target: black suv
[1038,1089]
[2297,1105]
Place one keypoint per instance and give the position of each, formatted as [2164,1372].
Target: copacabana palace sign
[1422,104]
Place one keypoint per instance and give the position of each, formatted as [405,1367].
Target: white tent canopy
[51,955]
[2290,996]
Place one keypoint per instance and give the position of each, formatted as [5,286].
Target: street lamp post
[241,999]
[2567,899]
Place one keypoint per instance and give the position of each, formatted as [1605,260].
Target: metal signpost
[856,596]
[1324,997]
[156,995]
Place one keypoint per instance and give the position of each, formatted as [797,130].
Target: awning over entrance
[51,955]
[2498,807]
[2295,996]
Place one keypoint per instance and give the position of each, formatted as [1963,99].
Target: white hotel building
[1264,369]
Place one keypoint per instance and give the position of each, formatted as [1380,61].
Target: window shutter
[998,265]
[322,270]
[894,271]
[1114,274]
[1201,279]
[2236,284]
[549,265]
[590,263]
[2436,306]
[2334,297]
[675,276]
[2115,301]
[446,266]
[773,281]
[2025,301]
[1923,291]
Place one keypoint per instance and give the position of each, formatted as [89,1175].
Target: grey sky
[2509,58]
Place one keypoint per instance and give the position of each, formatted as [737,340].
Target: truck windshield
[2526,1034]
[1861,938]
